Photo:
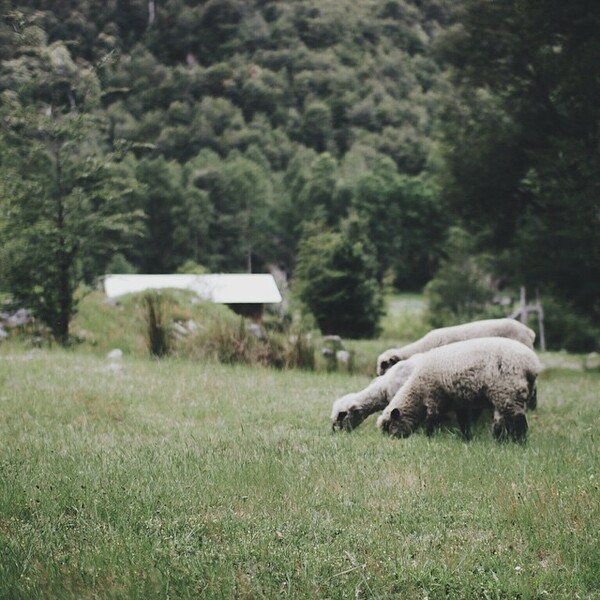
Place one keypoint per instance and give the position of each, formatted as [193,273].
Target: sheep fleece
[506,328]
[496,372]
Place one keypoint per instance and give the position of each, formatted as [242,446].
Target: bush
[175,323]
[565,329]
[462,288]
[248,343]
[336,277]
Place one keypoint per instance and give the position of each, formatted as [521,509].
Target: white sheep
[506,328]
[351,410]
[465,378]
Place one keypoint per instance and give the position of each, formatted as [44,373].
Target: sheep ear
[395,414]
[341,415]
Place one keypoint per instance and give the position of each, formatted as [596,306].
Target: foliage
[62,197]
[520,136]
[239,342]
[225,481]
[232,125]
[462,288]
[63,207]
[102,325]
[336,277]
[257,84]
[566,329]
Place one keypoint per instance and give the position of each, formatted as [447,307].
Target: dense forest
[347,144]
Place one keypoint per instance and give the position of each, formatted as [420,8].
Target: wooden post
[523,312]
[540,314]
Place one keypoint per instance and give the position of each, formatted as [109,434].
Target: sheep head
[396,424]
[386,360]
[347,419]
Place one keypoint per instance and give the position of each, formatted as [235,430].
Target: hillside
[241,120]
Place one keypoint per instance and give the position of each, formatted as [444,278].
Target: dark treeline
[236,135]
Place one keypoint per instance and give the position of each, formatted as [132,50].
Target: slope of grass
[102,325]
[174,479]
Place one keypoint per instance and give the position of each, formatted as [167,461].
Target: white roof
[222,288]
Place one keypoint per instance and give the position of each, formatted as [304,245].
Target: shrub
[245,343]
[566,329]
[300,352]
[158,324]
[336,277]
[462,288]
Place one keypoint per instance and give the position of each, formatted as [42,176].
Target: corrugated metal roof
[219,288]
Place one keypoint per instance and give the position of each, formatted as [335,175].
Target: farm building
[244,293]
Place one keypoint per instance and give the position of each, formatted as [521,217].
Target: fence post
[540,314]
[523,312]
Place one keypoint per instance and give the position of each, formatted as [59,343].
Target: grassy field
[179,480]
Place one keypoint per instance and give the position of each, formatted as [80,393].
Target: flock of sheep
[461,370]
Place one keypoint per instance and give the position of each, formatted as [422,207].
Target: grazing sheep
[466,377]
[351,410]
[506,328]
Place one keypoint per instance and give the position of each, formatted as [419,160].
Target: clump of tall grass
[159,338]
[241,342]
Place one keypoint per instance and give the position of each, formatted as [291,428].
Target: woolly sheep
[506,328]
[351,410]
[466,377]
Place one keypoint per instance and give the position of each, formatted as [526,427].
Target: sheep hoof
[464,422]
[519,427]
[499,431]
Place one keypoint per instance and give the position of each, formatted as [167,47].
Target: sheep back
[505,328]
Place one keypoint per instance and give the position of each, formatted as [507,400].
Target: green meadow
[189,479]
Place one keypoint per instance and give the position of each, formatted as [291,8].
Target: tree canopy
[521,139]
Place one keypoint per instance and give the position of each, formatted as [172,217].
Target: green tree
[240,191]
[62,201]
[462,289]
[521,139]
[336,277]
[62,198]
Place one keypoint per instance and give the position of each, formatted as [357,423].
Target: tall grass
[159,337]
[175,479]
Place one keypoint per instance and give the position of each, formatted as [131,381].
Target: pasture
[174,479]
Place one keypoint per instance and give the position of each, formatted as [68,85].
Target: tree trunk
[65,298]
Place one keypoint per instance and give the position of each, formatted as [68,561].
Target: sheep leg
[532,397]
[517,426]
[433,419]
[510,423]
[464,419]
[499,427]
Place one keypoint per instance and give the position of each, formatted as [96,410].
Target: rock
[179,329]
[192,325]
[116,354]
[343,357]
[115,367]
[592,361]
[19,319]
[256,330]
